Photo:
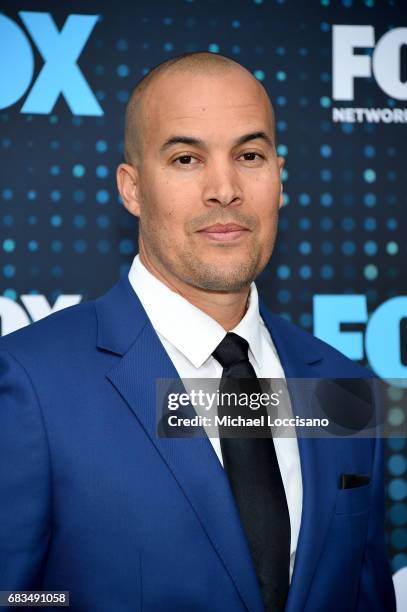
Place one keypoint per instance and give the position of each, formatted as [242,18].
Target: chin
[217,278]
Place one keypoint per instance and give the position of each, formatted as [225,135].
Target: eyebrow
[190,140]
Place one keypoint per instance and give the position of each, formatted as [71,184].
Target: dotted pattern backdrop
[64,229]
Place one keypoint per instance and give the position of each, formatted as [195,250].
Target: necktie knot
[232,350]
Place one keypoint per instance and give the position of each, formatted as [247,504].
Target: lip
[224,232]
[223,227]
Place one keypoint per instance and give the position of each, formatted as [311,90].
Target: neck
[227,308]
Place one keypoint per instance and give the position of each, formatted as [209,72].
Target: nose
[222,187]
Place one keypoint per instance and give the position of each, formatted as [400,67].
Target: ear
[281,162]
[128,185]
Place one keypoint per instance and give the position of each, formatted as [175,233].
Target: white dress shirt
[190,336]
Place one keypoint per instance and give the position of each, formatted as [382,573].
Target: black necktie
[252,468]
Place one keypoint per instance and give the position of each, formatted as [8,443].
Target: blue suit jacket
[94,503]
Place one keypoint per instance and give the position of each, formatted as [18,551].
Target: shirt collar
[194,333]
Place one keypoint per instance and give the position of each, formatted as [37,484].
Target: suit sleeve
[376,592]
[24,480]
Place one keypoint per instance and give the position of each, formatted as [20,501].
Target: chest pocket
[355,500]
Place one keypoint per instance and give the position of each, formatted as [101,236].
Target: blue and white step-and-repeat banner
[337,74]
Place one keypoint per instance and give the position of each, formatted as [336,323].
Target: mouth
[223,232]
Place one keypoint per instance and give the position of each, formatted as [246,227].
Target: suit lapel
[123,328]
[318,456]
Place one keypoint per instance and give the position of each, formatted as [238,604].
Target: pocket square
[350,481]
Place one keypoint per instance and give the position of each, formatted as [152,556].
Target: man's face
[209,184]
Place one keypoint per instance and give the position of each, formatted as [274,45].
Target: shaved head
[197,63]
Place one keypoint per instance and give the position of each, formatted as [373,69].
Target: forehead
[205,104]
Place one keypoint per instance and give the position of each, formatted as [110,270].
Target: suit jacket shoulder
[67,331]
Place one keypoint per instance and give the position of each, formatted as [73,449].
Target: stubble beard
[196,272]
[215,277]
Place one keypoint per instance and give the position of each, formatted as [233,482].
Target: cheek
[175,202]
[266,207]
[264,202]
[263,189]
[166,212]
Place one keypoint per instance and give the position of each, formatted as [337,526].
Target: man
[92,500]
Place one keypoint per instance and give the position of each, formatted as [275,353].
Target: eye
[251,156]
[185,160]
